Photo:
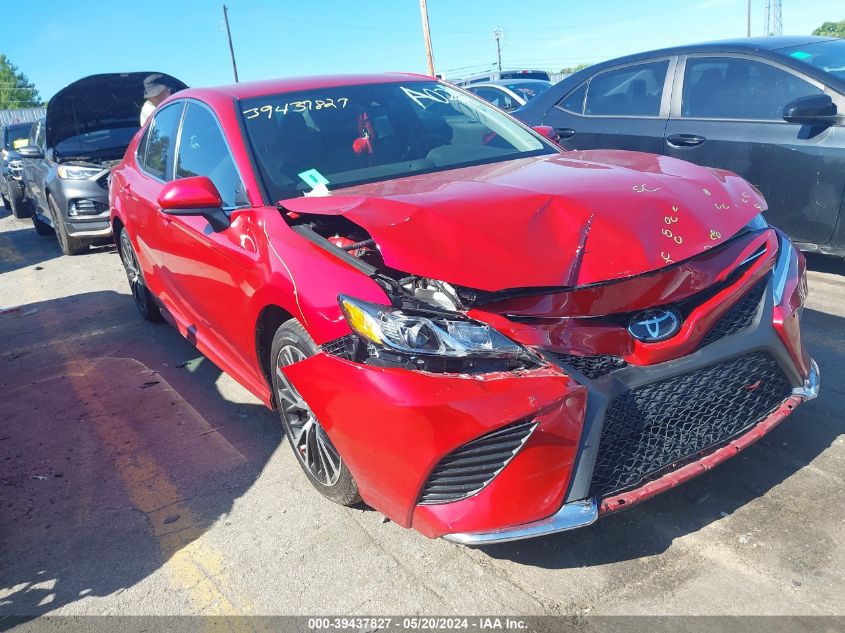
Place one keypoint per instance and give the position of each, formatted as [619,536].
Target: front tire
[70,245]
[144,300]
[18,205]
[314,451]
[41,227]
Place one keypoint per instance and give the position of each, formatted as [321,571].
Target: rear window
[526,74]
[528,89]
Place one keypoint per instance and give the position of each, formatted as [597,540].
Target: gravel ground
[136,478]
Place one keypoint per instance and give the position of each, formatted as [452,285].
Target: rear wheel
[144,300]
[311,444]
[70,245]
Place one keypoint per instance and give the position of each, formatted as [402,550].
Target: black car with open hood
[88,127]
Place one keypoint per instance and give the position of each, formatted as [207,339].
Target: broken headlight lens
[427,333]
[75,172]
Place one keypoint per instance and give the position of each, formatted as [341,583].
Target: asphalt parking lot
[136,478]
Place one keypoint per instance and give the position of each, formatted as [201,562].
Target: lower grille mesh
[469,468]
[739,317]
[591,366]
[653,427]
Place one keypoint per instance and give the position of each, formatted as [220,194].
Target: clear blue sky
[55,42]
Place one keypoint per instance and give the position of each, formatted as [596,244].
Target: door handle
[685,140]
[565,132]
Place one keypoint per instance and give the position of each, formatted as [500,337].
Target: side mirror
[811,110]
[30,151]
[194,196]
[549,132]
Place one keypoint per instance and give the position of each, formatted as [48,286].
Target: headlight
[426,333]
[74,172]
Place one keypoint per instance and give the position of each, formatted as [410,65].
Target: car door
[625,107]
[139,190]
[727,112]
[35,170]
[203,269]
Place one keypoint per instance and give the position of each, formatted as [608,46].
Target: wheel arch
[270,318]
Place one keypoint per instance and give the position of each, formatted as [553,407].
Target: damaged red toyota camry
[481,335]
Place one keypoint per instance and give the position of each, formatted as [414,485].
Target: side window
[160,142]
[574,101]
[735,88]
[203,152]
[629,91]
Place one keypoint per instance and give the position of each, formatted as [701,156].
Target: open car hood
[561,221]
[98,102]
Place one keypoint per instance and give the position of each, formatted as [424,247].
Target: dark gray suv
[67,163]
[12,137]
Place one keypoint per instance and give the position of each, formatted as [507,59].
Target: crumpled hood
[98,102]
[565,220]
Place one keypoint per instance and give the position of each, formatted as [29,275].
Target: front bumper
[85,206]
[576,514]
[395,427]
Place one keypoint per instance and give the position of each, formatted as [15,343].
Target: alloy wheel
[310,441]
[133,272]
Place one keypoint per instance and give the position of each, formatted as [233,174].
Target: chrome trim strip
[97,233]
[572,515]
[810,388]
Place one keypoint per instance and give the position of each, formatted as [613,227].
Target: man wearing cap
[155,91]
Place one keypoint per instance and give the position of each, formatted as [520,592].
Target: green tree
[573,69]
[16,91]
[831,29]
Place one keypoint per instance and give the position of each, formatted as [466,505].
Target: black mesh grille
[344,346]
[467,469]
[590,366]
[653,427]
[739,317]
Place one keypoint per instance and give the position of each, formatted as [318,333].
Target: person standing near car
[155,91]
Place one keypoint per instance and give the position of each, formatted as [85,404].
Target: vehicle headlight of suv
[75,172]
[396,336]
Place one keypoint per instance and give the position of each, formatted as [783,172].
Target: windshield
[828,56]
[348,135]
[102,144]
[17,136]
[528,89]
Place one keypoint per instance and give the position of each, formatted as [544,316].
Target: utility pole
[229,35]
[748,20]
[427,36]
[774,17]
[497,35]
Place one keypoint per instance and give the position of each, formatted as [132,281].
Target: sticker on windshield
[316,181]
[800,55]
[19,143]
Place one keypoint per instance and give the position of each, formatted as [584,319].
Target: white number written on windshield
[296,106]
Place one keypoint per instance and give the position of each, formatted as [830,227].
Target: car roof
[509,82]
[250,89]
[739,45]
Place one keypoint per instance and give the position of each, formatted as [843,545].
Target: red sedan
[479,334]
